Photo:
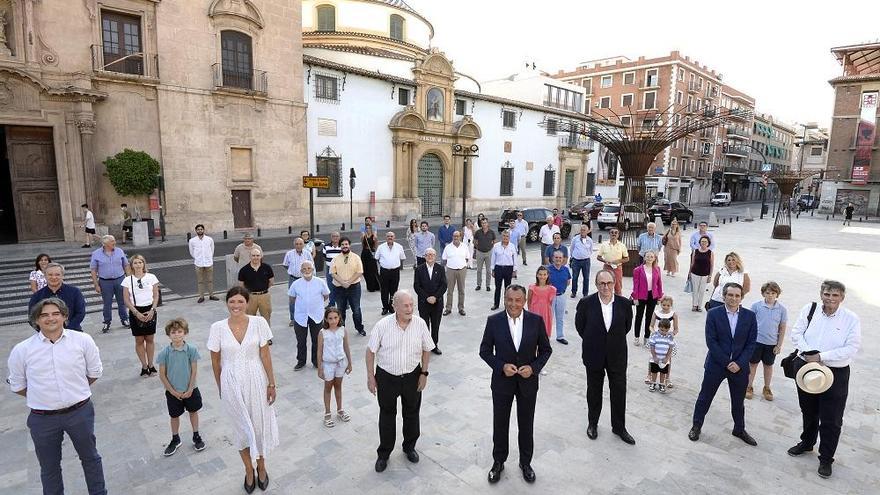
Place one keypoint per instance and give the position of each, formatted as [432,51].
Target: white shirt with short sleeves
[137,295]
[399,351]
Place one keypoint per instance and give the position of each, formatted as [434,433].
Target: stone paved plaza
[456,416]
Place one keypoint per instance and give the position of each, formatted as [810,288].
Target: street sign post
[312,182]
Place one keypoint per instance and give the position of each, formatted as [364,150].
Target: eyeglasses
[604,283]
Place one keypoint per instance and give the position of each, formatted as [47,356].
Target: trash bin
[764,209]
[319,256]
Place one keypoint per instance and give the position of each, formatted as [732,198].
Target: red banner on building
[865,137]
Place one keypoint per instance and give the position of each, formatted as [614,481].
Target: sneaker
[750,393]
[145,372]
[562,341]
[198,443]
[126,324]
[106,328]
[173,445]
[652,387]
[768,394]
[661,388]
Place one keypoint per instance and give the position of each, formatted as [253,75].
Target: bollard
[289,229]
[188,236]
[600,238]
[225,235]
[387,223]
[737,218]
[723,221]
[826,217]
[343,227]
[317,228]
[259,231]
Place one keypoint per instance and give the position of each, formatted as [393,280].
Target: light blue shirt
[309,296]
[504,255]
[732,318]
[581,247]
[108,266]
[424,240]
[515,234]
[649,243]
[293,261]
[769,318]
[522,226]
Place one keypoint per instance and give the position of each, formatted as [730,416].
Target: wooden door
[34,184]
[241,209]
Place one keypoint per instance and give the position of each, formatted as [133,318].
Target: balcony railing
[740,114]
[133,64]
[576,142]
[693,87]
[562,106]
[712,93]
[734,132]
[736,151]
[255,81]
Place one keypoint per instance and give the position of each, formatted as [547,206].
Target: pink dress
[542,304]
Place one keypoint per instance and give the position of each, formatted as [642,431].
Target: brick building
[652,88]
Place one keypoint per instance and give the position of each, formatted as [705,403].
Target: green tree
[133,173]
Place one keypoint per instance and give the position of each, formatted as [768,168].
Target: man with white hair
[546,235]
[649,241]
[70,294]
[397,359]
[109,266]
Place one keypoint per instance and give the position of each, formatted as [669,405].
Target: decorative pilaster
[86,128]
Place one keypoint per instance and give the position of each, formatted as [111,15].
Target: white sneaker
[543,372]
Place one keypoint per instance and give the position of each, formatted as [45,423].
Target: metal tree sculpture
[786,181]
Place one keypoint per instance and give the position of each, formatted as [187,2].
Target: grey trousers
[455,278]
[483,259]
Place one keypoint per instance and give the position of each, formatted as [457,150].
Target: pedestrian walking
[504,265]
[429,284]
[258,278]
[647,290]
[347,271]
[457,257]
[331,251]
[468,238]
[732,271]
[848,214]
[312,295]
[649,241]
[661,343]
[581,251]
[369,244]
[540,298]
[37,277]
[484,239]
[424,240]
[242,252]
[126,222]
[702,261]
[390,256]
[397,360]
[546,235]
[178,368]
[772,317]
[242,365]
[108,265]
[672,248]
[293,261]
[334,362]
[201,248]
[70,294]
[614,255]
[88,225]
[53,370]
[444,233]
[560,277]
[140,290]
[522,228]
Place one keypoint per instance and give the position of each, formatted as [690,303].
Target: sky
[775,51]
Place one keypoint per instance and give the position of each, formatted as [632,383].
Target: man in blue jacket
[731,333]
[72,296]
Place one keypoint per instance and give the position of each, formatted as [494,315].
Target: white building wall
[392,67]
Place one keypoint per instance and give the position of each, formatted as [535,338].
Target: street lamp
[351,178]
[465,152]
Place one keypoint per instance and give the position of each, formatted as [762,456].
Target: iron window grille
[506,180]
[549,180]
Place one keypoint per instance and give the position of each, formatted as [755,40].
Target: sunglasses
[140,285]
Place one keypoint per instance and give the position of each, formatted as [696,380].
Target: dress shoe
[263,484]
[694,434]
[495,472]
[824,469]
[493,308]
[461,312]
[250,488]
[447,312]
[412,456]
[478,288]
[592,432]
[299,366]
[362,333]
[381,464]
[573,296]
[625,436]
[436,350]
[214,298]
[200,300]
[390,311]
[799,449]
[745,437]
[105,328]
[562,341]
[528,473]
[384,312]
[488,288]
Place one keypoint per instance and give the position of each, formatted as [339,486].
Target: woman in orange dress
[672,247]
[541,295]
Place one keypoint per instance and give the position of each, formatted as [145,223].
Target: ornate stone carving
[85,126]
[48,56]
[243,9]
[4,44]
[6,95]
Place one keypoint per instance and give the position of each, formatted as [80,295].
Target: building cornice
[858,78]
[341,37]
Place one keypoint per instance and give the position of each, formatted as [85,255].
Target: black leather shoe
[412,456]
[381,464]
[799,449]
[250,488]
[436,350]
[384,312]
[478,288]
[528,473]
[263,484]
[214,298]
[592,432]
[447,312]
[824,470]
[745,437]
[488,288]
[493,308]
[495,472]
[105,328]
[562,341]
[694,434]
[625,436]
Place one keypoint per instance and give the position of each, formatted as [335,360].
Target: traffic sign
[316,182]
[766,167]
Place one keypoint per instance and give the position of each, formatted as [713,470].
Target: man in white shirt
[293,261]
[390,256]
[546,235]
[523,228]
[397,359]
[88,225]
[504,265]
[456,256]
[201,248]
[835,332]
[53,369]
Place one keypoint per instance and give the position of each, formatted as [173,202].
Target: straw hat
[814,378]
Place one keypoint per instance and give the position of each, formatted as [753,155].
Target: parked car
[720,199]
[669,210]
[633,216]
[536,216]
[586,210]
[808,202]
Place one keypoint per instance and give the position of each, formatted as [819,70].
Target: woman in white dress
[242,365]
[468,238]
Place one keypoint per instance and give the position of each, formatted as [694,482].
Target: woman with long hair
[369,244]
[411,238]
[672,248]
[732,271]
[702,261]
[647,290]
[37,277]
[140,291]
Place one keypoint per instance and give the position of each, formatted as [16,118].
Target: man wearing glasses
[614,254]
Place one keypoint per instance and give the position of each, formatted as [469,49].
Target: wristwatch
[424,373]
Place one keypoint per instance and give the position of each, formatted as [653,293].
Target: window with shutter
[460,107]
[326,87]
[326,18]
[506,181]
[403,96]
[237,60]
[396,28]
[509,119]
[549,181]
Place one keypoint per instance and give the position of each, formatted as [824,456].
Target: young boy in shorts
[177,370]
[772,318]
[661,344]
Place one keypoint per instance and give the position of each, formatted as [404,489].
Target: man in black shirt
[484,238]
[258,277]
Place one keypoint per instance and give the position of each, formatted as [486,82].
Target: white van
[721,199]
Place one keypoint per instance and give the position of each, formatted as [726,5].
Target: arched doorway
[431,185]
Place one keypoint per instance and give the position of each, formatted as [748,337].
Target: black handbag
[793,362]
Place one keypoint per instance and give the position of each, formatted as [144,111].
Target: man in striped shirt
[397,366]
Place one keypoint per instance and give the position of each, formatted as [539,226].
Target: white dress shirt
[56,376]
[504,256]
[202,251]
[399,351]
[607,312]
[546,233]
[515,325]
[390,258]
[456,257]
[837,337]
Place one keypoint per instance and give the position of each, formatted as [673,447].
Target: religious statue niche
[435,105]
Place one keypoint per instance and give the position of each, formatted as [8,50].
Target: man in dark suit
[516,347]
[731,333]
[430,284]
[602,320]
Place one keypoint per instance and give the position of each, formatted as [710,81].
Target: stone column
[86,128]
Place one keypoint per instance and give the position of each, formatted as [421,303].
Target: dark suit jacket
[434,286]
[724,348]
[601,346]
[497,349]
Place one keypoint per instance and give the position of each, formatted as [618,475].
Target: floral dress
[542,304]
[243,385]
[38,277]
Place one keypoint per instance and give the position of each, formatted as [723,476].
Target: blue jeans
[47,431]
[291,306]
[559,314]
[333,289]
[111,288]
[577,267]
[351,297]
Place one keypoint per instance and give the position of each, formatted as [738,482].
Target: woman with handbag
[702,261]
[672,248]
[140,291]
